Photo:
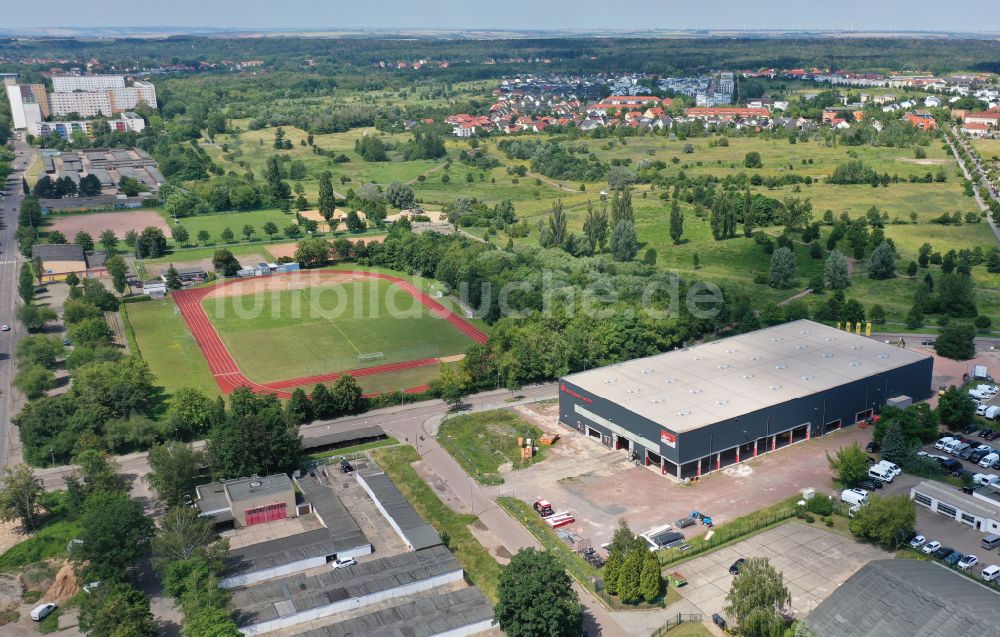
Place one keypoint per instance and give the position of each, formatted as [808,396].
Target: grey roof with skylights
[724,379]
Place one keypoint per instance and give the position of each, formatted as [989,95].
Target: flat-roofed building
[248,501]
[695,410]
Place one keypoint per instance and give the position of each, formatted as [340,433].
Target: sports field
[298,329]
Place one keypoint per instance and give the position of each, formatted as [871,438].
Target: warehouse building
[700,409]
[981,510]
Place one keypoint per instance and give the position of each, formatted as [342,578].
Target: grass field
[166,343]
[482,442]
[480,567]
[308,331]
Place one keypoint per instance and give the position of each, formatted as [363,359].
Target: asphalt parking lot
[814,563]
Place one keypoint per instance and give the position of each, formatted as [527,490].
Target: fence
[673,622]
[725,534]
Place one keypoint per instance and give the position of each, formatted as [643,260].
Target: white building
[70,83]
[980,510]
[83,103]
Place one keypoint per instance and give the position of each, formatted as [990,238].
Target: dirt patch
[120,222]
[10,590]
[926,162]
[64,587]
[302,280]
[10,534]
[315,215]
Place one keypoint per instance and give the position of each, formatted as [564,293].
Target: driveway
[813,561]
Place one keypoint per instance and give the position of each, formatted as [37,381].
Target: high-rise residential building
[70,83]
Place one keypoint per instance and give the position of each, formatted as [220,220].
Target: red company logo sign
[667,438]
[564,388]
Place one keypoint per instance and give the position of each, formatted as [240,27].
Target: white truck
[854,496]
[992,412]
[979,372]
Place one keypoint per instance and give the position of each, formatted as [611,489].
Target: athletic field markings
[330,320]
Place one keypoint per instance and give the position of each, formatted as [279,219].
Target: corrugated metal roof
[261,602]
[328,507]
[427,616]
[334,436]
[691,388]
[418,533]
[908,598]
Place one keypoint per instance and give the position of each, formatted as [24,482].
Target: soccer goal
[297,284]
[373,356]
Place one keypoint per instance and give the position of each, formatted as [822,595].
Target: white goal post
[370,357]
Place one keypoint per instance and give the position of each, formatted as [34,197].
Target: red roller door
[266,513]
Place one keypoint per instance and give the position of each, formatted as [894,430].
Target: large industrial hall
[700,409]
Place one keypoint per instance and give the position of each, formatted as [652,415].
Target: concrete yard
[814,563]
[600,485]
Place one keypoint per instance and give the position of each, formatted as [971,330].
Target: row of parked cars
[879,473]
[981,454]
[950,556]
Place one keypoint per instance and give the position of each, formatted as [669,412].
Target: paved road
[983,343]
[994,226]
[10,260]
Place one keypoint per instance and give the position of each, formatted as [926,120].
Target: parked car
[990,572]
[718,621]
[966,453]
[872,447]
[930,547]
[918,541]
[991,435]
[970,429]
[981,410]
[943,552]
[939,445]
[4,328]
[967,562]
[40,612]
[952,465]
[926,342]
[953,558]
[871,484]
[344,562]
[345,466]
[735,568]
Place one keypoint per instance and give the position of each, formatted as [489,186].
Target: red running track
[228,374]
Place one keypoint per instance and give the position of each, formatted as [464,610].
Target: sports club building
[701,409]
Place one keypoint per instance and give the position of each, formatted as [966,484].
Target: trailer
[979,372]
[562,518]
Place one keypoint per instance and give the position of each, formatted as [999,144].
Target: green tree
[650,579]
[115,532]
[254,438]
[183,534]
[39,350]
[122,387]
[118,610]
[71,280]
[203,237]
[624,242]
[312,252]
[298,409]
[836,272]
[84,240]
[225,262]
[453,386]
[983,322]
[757,598]
[191,414]
[753,160]
[850,464]
[248,231]
[26,283]
[676,222]
[210,621]
[323,405]
[227,235]
[175,470]
[882,262]
[327,202]
[34,318]
[151,243]
[20,492]
[173,279]
[877,314]
[180,234]
[895,445]
[887,521]
[536,598]
[955,410]
[783,269]
[270,228]
[118,270]
[630,577]
[92,332]
[34,380]
[347,395]
[956,341]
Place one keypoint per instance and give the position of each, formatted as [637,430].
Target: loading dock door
[623,443]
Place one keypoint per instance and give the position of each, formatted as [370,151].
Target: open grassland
[988,148]
[166,343]
[307,331]
[482,442]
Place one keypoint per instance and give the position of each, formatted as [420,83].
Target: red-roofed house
[990,118]
[976,130]
[921,120]
[726,113]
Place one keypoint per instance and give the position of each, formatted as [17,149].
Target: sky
[857,15]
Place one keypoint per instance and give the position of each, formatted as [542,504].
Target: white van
[977,395]
[981,410]
[987,389]
[942,442]
[950,447]
[882,473]
[992,412]
[896,471]
[989,459]
[984,479]
[990,572]
[854,496]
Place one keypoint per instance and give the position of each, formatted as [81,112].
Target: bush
[810,519]
[819,505]
[828,521]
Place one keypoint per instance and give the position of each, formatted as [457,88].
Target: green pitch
[302,331]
